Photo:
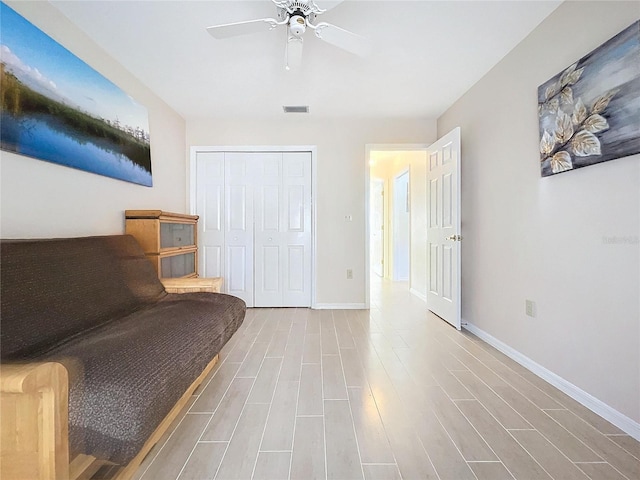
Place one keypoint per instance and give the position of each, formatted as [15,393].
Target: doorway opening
[396,203]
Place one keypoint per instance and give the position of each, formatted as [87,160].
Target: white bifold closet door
[239,174]
[210,205]
[263,249]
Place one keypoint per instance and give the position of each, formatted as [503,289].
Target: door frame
[369,148]
[191,187]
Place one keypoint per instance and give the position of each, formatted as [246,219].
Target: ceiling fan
[297,15]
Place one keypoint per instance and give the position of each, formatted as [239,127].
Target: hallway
[389,393]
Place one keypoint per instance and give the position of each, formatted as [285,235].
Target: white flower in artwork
[575,127]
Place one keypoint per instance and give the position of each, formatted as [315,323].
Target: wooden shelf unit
[168,239]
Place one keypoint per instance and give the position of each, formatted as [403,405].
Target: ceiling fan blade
[327,5]
[344,39]
[293,53]
[242,28]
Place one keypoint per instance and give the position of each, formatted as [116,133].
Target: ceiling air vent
[296,109]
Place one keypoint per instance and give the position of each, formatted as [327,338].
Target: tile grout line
[482,436]
[570,433]
[376,401]
[534,406]
[378,408]
[483,461]
[534,458]
[324,419]
[295,416]
[489,412]
[452,442]
[344,378]
[266,421]
[241,412]
[161,448]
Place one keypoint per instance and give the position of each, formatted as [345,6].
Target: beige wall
[41,199]
[341,171]
[527,237]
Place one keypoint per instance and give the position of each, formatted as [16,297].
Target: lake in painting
[42,138]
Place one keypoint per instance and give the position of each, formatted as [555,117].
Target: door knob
[454,238]
[270,239]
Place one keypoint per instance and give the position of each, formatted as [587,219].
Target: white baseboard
[607,412]
[340,306]
[421,296]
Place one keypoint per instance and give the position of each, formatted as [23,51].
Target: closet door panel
[268,230]
[210,206]
[239,230]
[296,210]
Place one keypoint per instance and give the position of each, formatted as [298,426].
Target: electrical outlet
[530,308]
[349,274]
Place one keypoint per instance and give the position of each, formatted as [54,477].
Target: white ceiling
[426,54]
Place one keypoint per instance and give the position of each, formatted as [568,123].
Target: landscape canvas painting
[590,112]
[56,108]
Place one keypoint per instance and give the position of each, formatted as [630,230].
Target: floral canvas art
[590,112]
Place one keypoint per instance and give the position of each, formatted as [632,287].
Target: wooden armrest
[192,285]
[34,410]
[31,377]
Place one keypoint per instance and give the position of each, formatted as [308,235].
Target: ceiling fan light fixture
[296,108]
[297,25]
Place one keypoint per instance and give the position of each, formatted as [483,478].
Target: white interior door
[443,228]
[282,206]
[377,226]
[210,206]
[239,171]
[296,229]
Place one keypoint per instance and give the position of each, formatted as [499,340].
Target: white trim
[368,148]
[421,296]
[340,306]
[597,406]
[266,148]
[314,222]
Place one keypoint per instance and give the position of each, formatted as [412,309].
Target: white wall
[41,199]
[340,180]
[527,237]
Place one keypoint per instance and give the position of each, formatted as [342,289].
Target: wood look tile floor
[388,393]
